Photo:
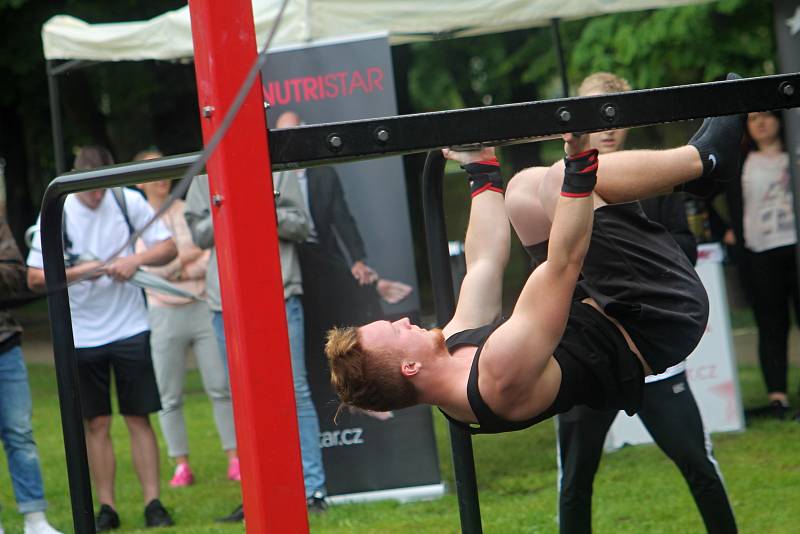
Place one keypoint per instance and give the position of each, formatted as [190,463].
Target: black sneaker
[237,516]
[316,503]
[155,515]
[774,410]
[718,140]
[107,519]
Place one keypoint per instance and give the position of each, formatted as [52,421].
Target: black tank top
[597,369]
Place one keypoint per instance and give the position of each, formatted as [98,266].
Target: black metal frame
[445,304]
[513,123]
[315,145]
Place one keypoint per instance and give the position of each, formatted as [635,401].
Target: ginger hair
[365,380]
[603,82]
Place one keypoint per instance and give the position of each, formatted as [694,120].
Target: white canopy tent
[168,36]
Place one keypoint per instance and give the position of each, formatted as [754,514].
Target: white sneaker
[38,525]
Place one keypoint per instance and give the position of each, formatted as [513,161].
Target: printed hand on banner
[392,291]
[363,273]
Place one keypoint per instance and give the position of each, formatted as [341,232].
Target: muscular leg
[621,177]
[523,207]
[530,203]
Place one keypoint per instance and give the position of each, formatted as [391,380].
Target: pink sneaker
[233,470]
[183,476]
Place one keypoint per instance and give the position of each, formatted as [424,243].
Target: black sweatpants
[773,290]
[670,414]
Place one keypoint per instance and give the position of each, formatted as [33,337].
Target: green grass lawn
[637,489]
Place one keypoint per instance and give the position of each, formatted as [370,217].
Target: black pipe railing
[445,303]
[66,363]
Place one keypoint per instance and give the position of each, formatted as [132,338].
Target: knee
[137,423]
[99,425]
[18,436]
[219,392]
[522,190]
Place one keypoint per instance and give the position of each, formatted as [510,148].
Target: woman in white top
[176,324]
[763,229]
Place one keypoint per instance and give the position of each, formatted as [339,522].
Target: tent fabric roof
[169,36]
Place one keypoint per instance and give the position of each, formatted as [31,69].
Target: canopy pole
[55,117]
[562,66]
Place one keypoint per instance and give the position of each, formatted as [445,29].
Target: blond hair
[603,82]
[365,380]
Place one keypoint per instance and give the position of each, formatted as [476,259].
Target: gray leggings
[173,330]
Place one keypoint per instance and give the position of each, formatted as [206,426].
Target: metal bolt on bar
[444,300]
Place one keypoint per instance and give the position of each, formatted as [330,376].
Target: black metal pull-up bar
[506,124]
[356,140]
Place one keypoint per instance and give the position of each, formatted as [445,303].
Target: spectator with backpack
[110,329]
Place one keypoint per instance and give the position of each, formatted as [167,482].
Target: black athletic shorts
[137,391]
[640,276]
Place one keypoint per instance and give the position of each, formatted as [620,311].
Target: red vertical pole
[249,267]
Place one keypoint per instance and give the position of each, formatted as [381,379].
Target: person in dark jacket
[15,394]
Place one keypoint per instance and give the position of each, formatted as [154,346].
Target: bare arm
[123,268]
[89,270]
[486,248]
[519,352]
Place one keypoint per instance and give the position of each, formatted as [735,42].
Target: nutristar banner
[358,263]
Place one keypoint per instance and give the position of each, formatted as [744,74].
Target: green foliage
[678,45]
[687,44]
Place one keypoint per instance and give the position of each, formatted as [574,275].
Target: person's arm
[12,268]
[89,270]
[345,224]
[198,213]
[123,268]
[292,216]
[519,351]
[486,248]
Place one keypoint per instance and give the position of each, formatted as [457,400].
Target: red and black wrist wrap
[484,176]
[580,174]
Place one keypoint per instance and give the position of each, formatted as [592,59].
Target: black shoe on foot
[774,410]
[719,142]
[107,519]
[155,515]
[237,516]
[316,503]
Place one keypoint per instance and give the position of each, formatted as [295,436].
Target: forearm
[292,224]
[488,238]
[161,253]
[36,280]
[571,232]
